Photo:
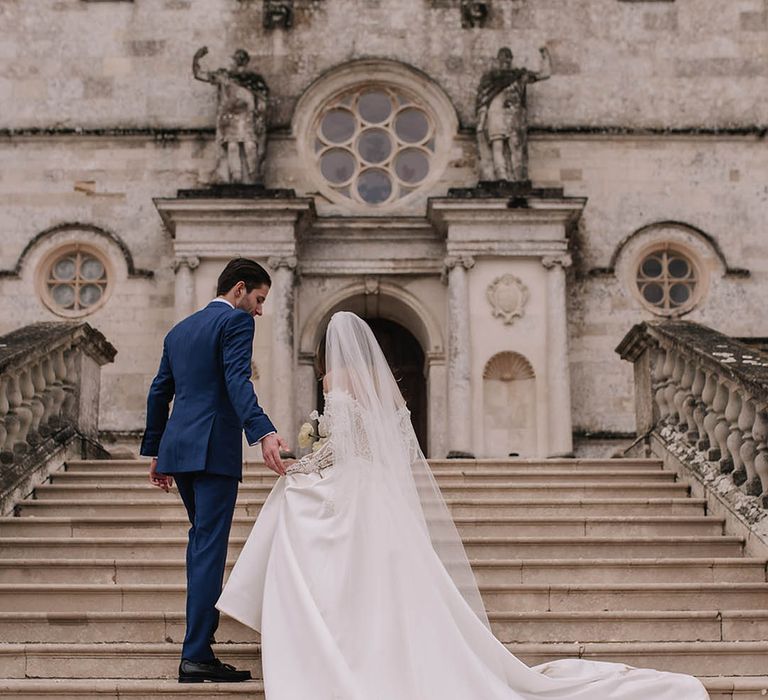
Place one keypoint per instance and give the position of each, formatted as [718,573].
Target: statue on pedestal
[241,119]
[502,123]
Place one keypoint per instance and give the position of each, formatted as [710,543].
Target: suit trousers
[210,503]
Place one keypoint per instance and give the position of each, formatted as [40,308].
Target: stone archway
[407,361]
[411,340]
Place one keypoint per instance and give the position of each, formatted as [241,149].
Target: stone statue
[241,118]
[502,120]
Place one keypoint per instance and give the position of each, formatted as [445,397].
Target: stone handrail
[49,391]
[708,393]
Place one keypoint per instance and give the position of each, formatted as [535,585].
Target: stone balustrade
[706,392]
[49,395]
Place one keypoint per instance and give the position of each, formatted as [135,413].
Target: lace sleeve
[409,436]
[313,462]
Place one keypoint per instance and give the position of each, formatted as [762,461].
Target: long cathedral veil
[369,422]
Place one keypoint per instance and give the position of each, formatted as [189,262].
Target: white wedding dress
[357,580]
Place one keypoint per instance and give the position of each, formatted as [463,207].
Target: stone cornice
[297,211]
[165,134]
[444,212]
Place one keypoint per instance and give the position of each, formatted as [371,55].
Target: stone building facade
[500,312]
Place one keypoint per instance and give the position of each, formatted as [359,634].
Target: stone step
[50,597]
[169,506]
[120,689]
[566,490]
[489,527]
[487,571]
[143,661]
[477,547]
[508,626]
[437,465]
[444,477]
[719,688]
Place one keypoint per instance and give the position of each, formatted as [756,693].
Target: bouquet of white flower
[307,435]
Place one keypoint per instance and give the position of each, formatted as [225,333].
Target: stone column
[184,302]
[281,300]
[558,373]
[459,358]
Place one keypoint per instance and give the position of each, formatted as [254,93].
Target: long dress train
[358,582]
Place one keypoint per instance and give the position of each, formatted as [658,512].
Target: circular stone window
[374,145]
[668,281]
[74,281]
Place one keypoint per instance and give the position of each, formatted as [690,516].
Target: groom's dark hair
[245,270]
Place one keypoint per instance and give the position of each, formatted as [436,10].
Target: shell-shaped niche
[508,366]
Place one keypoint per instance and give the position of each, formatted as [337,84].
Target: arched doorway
[406,360]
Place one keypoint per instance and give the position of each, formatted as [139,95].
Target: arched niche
[509,406]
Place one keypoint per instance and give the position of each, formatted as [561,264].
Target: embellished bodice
[345,420]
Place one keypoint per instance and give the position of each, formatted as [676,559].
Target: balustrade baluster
[15,418]
[708,422]
[59,368]
[720,427]
[657,378]
[49,398]
[28,393]
[38,400]
[748,446]
[666,377]
[734,438]
[696,433]
[685,408]
[756,486]
[69,407]
[5,408]
[675,391]
[24,390]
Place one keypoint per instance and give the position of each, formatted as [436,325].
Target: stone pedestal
[513,300]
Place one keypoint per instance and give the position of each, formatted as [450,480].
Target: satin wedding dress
[357,579]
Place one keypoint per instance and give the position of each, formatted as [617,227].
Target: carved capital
[192,262]
[465,261]
[564,261]
[452,261]
[289,262]
[507,296]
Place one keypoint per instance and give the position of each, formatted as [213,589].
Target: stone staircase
[604,559]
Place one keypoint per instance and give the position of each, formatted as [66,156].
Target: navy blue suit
[205,369]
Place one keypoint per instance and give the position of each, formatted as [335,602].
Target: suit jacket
[205,369]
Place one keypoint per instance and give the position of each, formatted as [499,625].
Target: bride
[356,577]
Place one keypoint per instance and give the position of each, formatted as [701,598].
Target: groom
[205,369]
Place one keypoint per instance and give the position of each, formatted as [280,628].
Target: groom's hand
[270,450]
[162,481]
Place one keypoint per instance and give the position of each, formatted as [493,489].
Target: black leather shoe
[196,672]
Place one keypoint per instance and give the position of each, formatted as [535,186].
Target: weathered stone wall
[96,64]
[702,65]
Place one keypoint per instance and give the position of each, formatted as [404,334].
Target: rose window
[666,280]
[75,282]
[374,145]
